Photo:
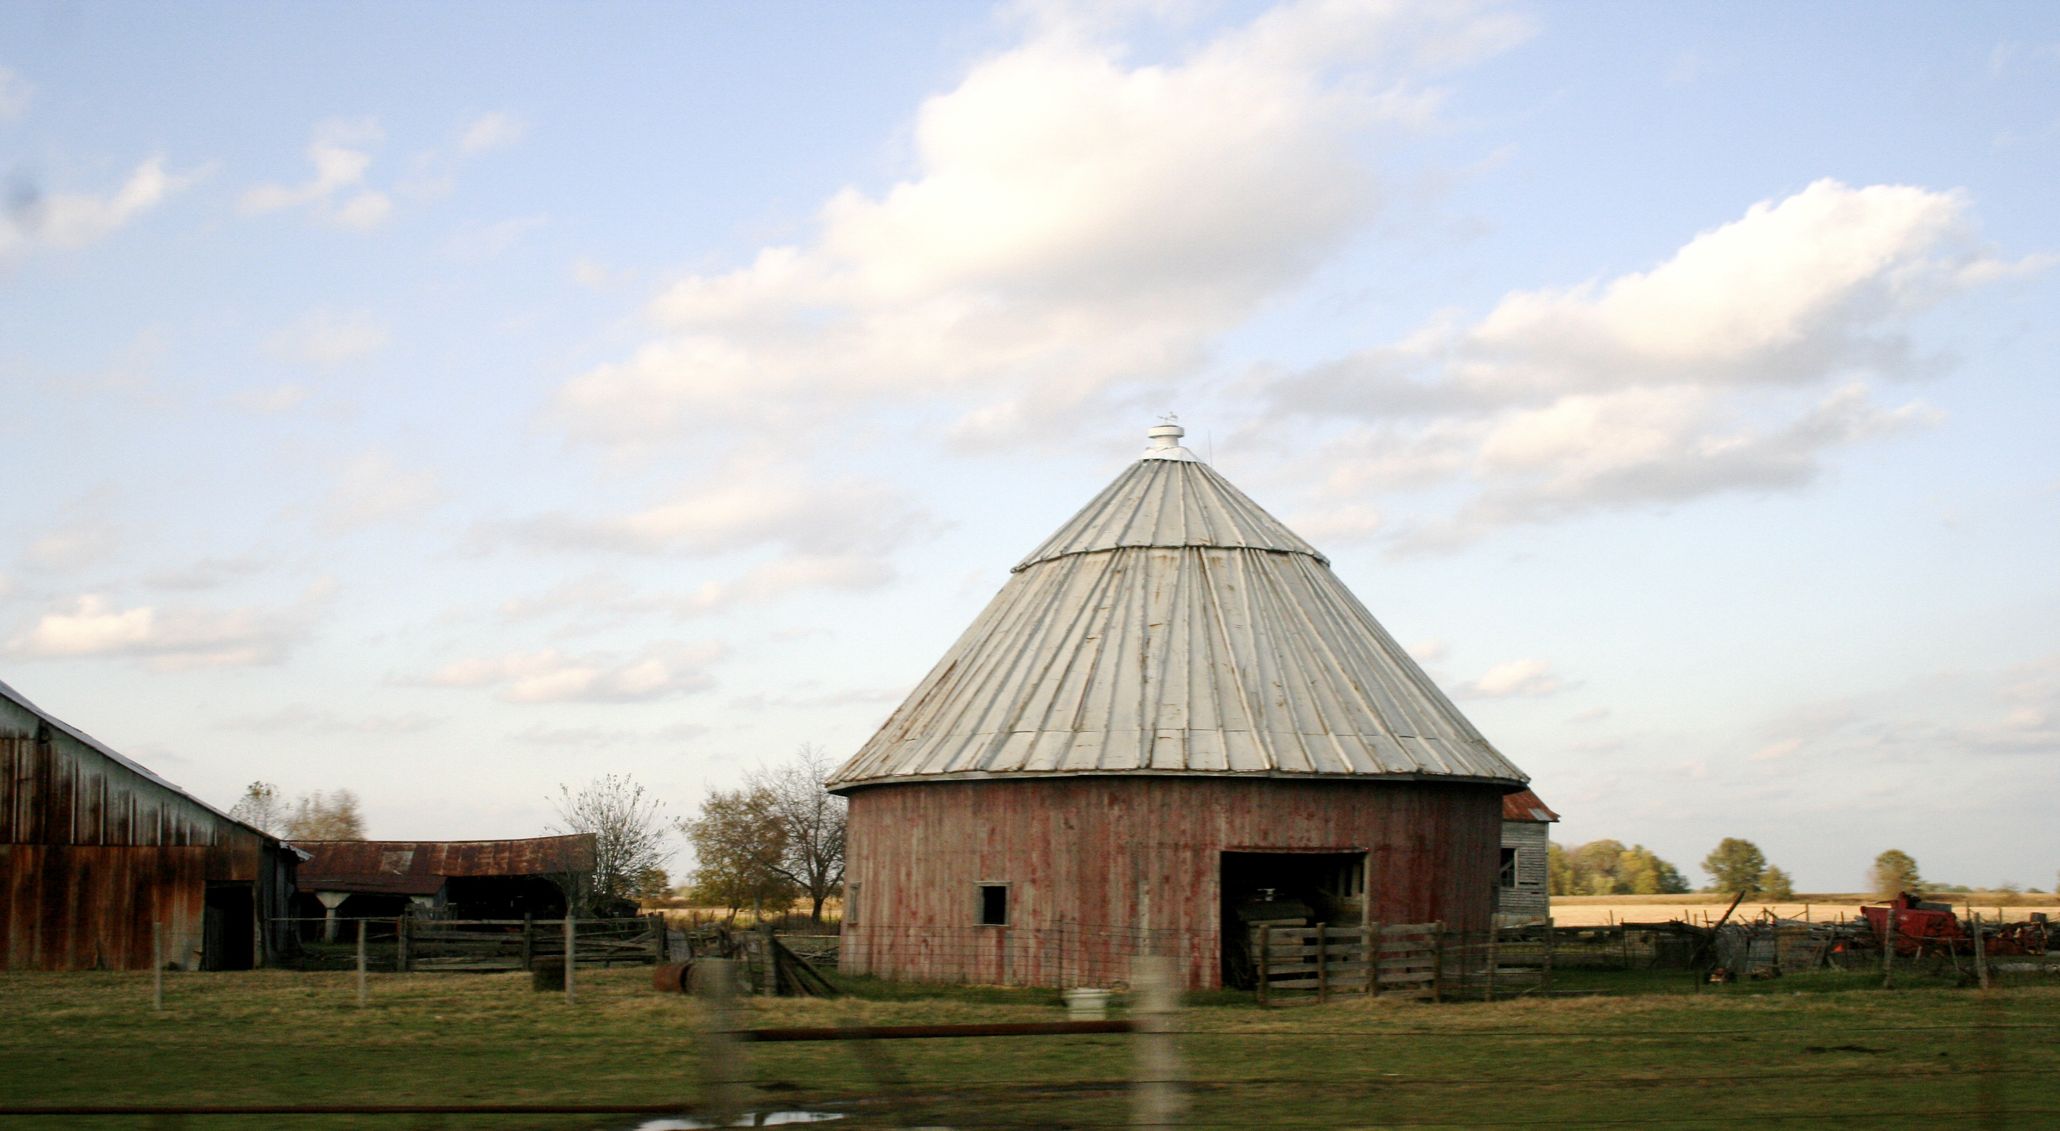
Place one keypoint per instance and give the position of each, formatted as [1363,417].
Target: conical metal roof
[1174,627]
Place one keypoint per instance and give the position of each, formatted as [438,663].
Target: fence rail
[480,945]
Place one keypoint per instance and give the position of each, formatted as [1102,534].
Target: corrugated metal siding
[1103,868]
[1177,661]
[94,849]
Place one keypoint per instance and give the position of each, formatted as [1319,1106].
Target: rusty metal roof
[1523,805]
[1174,627]
[122,760]
[419,867]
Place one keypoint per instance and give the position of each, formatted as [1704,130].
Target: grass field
[1651,1049]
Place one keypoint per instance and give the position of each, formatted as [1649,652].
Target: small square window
[1509,867]
[994,905]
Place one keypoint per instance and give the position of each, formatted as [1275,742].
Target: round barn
[1173,722]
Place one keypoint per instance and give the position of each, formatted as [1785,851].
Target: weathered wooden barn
[1173,720]
[455,879]
[95,850]
[1522,890]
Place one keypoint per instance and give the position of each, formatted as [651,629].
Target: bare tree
[811,821]
[629,839]
[326,816]
[261,807]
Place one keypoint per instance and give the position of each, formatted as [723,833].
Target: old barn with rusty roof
[458,879]
[1171,711]
[103,863]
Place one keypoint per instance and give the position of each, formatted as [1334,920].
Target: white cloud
[303,719]
[86,535]
[328,338]
[74,220]
[374,488]
[1738,363]
[169,638]
[15,95]
[484,241]
[551,676]
[1075,223]
[341,153]
[491,131]
[751,504]
[271,401]
[1775,751]
[1514,679]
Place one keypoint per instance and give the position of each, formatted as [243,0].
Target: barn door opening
[1285,889]
[229,927]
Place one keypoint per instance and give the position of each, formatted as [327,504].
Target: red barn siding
[1102,868]
[92,853]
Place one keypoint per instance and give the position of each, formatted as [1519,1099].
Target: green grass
[1645,1049]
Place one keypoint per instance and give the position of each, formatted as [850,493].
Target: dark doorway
[1285,889]
[229,927]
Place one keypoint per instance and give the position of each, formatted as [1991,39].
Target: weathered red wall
[1103,868]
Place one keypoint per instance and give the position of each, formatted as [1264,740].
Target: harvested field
[1599,910]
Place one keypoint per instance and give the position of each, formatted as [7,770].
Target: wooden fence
[1400,960]
[457,945]
[519,944]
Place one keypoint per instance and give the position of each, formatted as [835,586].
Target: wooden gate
[1308,964]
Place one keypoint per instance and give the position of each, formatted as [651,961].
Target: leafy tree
[1559,871]
[1735,865]
[1775,884]
[262,807]
[1607,867]
[1894,871]
[629,841]
[325,816]
[737,839]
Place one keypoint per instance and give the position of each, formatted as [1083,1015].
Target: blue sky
[450,402]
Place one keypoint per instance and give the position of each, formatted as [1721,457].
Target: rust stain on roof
[419,867]
[1523,805]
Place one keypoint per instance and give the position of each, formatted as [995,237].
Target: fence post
[1322,967]
[570,931]
[1265,950]
[1438,961]
[361,964]
[157,967]
[400,936]
[1888,950]
[1373,949]
[1545,982]
[658,949]
[1155,1094]
[770,984]
[1494,954]
[528,941]
[1980,955]
[715,987]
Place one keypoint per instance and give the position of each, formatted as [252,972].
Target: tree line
[776,839]
[1607,867]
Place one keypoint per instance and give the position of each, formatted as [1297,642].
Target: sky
[456,402]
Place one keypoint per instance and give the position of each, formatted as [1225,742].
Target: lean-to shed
[95,850]
[1172,718]
[1522,889]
